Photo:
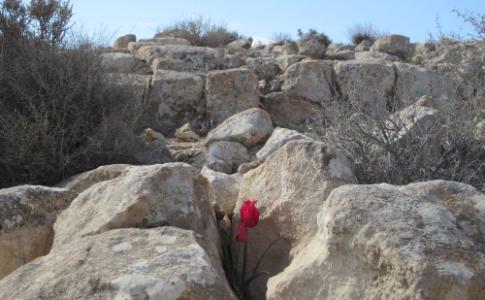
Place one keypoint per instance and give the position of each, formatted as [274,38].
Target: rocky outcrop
[311,80]
[181,58]
[290,187]
[27,215]
[116,62]
[229,92]
[249,127]
[142,196]
[366,81]
[266,68]
[226,156]
[278,139]
[393,44]
[419,241]
[292,112]
[122,42]
[177,98]
[414,82]
[223,190]
[160,263]
[81,182]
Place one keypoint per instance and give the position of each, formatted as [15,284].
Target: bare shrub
[200,31]
[384,148]
[360,32]
[476,20]
[281,38]
[313,34]
[54,96]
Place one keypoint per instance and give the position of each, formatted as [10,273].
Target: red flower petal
[249,213]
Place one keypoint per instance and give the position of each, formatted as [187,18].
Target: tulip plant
[236,273]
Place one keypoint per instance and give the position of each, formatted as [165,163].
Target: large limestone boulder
[244,43]
[284,61]
[419,241]
[417,119]
[176,98]
[266,68]
[81,182]
[230,91]
[248,127]
[116,62]
[223,190]
[136,84]
[340,52]
[371,82]
[226,156]
[185,58]
[311,80]
[160,263]
[290,187]
[157,41]
[292,112]
[394,44]
[278,139]
[143,196]
[311,47]
[122,42]
[413,82]
[375,55]
[27,215]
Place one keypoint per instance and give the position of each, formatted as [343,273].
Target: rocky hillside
[221,125]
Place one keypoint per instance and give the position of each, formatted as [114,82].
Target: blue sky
[263,18]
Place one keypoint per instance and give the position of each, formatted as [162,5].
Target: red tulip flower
[249,218]
[249,213]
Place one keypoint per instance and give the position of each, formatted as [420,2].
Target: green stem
[245,256]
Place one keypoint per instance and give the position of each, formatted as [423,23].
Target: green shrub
[53,97]
[200,31]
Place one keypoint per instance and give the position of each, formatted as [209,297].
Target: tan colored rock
[311,80]
[241,43]
[284,61]
[121,43]
[223,190]
[312,47]
[394,44]
[185,133]
[142,196]
[116,62]
[278,139]
[292,112]
[27,215]
[161,263]
[224,156]
[81,182]
[185,58]
[419,241]
[230,91]
[290,187]
[413,82]
[264,67]
[150,135]
[178,96]
[375,55]
[368,81]
[161,41]
[248,127]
